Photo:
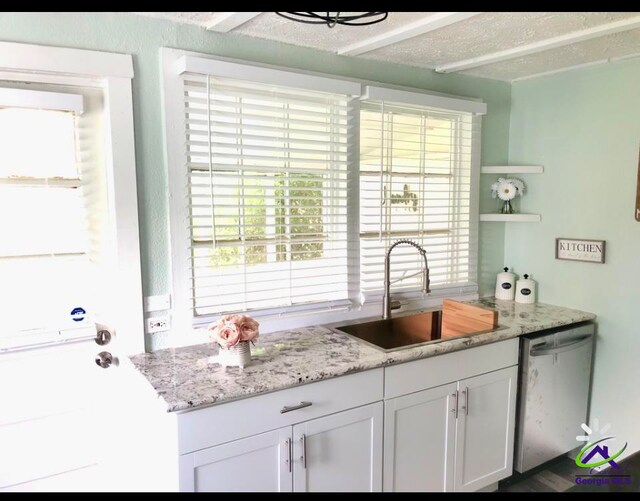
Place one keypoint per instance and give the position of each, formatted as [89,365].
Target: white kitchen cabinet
[253,464]
[456,436]
[340,452]
[419,439]
[328,435]
[485,429]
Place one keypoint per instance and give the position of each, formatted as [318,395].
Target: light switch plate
[157,303]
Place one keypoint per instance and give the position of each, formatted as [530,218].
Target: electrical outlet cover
[158,324]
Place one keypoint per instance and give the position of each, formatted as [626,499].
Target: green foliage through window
[295,231]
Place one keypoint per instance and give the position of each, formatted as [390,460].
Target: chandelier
[333,18]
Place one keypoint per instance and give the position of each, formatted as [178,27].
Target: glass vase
[238,355]
[507,208]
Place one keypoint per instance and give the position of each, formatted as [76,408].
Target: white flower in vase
[507,189]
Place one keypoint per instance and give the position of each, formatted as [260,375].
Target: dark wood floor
[559,475]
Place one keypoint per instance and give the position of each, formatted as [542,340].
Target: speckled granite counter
[190,377]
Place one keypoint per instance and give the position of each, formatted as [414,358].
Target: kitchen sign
[571,249]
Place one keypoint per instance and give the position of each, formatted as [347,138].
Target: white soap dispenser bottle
[526,290]
[505,285]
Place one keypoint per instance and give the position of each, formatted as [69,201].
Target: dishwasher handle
[541,350]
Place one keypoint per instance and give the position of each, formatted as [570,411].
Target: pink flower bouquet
[229,330]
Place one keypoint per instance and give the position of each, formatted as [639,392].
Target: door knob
[103,337]
[104,359]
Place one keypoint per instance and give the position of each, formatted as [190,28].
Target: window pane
[414,184]
[41,292]
[268,193]
[41,221]
[52,214]
[37,143]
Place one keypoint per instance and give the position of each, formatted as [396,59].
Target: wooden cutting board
[461,318]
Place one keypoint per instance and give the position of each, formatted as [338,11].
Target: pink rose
[231,329]
[248,328]
[225,333]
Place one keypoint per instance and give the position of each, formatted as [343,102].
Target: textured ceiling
[197,18]
[476,36]
[272,26]
[598,49]
[486,33]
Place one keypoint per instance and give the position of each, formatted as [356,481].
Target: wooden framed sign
[573,249]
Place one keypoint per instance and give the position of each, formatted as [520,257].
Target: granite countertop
[189,377]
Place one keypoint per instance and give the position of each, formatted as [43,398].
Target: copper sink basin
[402,332]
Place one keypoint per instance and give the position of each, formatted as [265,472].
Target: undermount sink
[404,331]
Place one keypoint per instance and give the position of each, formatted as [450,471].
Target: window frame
[185,326]
[112,73]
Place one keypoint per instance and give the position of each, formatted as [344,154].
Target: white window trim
[112,72]
[284,78]
[403,97]
[183,331]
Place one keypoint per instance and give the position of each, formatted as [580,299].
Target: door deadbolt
[103,337]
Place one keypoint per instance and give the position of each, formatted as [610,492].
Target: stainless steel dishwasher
[555,375]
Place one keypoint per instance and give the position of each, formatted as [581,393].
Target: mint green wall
[584,127]
[142,37]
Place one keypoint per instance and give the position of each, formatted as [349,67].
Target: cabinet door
[419,437]
[340,452]
[485,429]
[255,464]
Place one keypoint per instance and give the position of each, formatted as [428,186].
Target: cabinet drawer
[442,369]
[221,423]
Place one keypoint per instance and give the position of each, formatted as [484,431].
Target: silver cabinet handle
[288,443]
[542,349]
[301,405]
[466,400]
[455,409]
[303,442]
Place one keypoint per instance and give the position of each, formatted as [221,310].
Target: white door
[485,429]
[419,437]
[69,262]
[55,423]
[339,453]
[256,464]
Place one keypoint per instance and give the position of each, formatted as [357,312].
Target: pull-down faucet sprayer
[386,299]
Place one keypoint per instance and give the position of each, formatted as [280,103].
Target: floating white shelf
[512,169]
[516,218]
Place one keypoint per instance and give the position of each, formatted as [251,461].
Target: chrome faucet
[387,305]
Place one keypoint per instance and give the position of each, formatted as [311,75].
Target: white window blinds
[267,184]
[415,183]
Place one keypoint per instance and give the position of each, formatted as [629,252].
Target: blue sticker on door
[78,314]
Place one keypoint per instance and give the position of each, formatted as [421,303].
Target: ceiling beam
[414,29]
[227,21]
[542,45]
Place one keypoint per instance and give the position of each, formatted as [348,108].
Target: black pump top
[526,276]
[506,269]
